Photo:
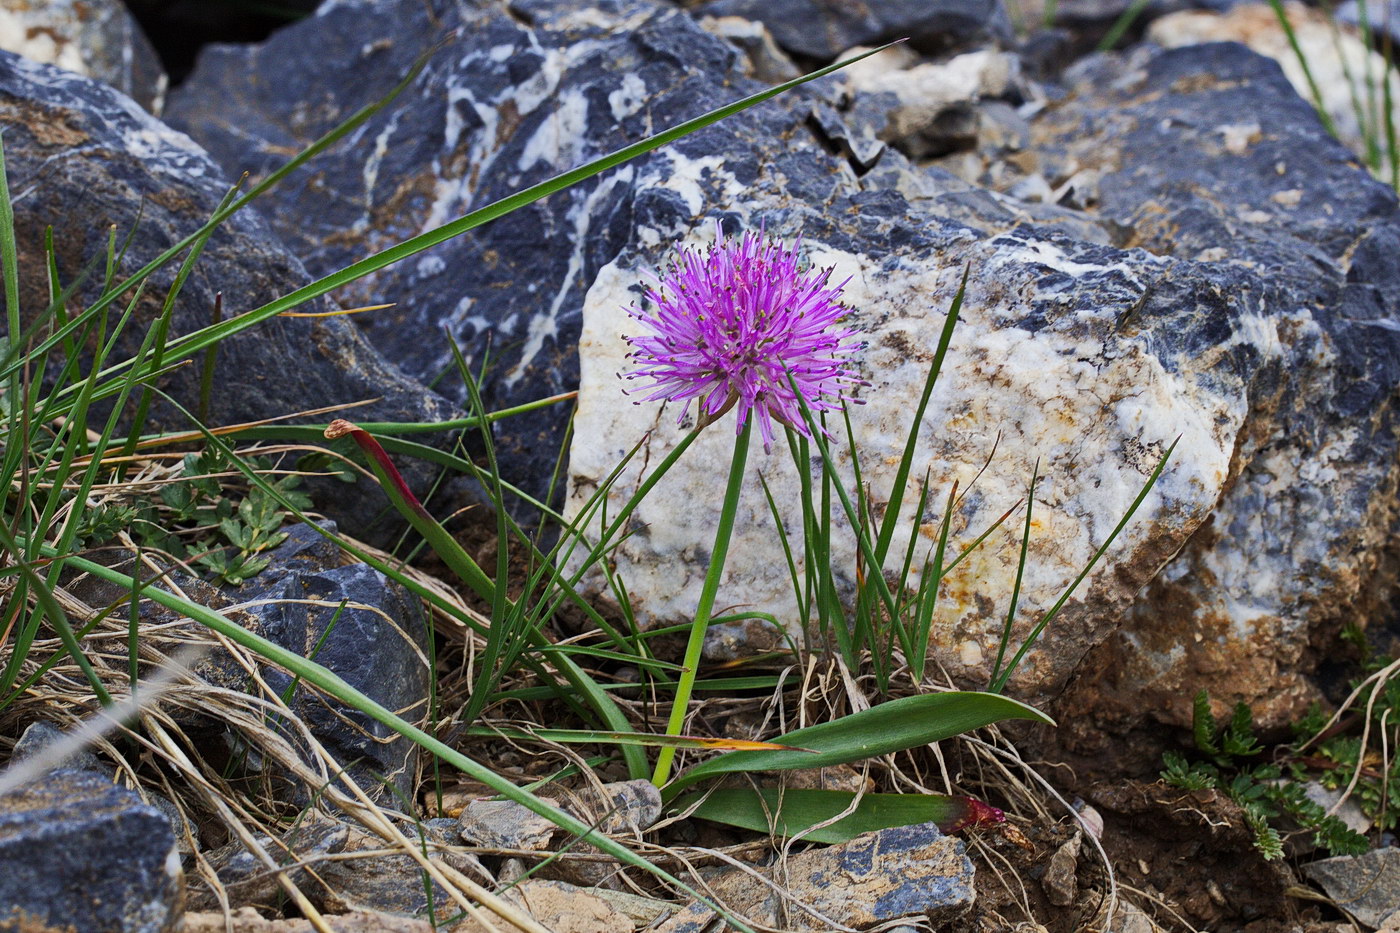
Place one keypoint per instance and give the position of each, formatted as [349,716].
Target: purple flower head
[731,322]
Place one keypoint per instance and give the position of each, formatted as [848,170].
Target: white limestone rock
[1095,404]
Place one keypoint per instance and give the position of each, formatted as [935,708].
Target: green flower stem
[691,664]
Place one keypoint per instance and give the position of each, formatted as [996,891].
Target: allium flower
[731,322]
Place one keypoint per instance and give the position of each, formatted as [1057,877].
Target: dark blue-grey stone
[39,736]
[1107,12]
[378,645]
[907,871]
[246,878]
[1366,886]
[81,157]
[79,853]
[822,29]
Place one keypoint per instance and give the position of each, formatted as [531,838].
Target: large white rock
[1091,402]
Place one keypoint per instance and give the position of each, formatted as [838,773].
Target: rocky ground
[1165,243]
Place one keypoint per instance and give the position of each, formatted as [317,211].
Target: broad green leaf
[793,812]
[889,727]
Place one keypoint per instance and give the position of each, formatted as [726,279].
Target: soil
[1185,857]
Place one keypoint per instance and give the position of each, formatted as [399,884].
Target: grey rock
[96,38]
[1353,81]
[928,109]
[186,833]
[504,824]
[644,912]
[937,191]
[628,807]
[1039,338]
[39,735]
[1059,881]
[1293,545]
[1365,886]
[912,871]
[695,917]
[378,645]
[567,908]
[82,157]
[822,29]
[364,878]
[1130,918]
[766,62]
[1350,812]
[1103,13]
[77,852]
[249,882]
[248,920]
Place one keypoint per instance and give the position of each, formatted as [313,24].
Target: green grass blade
[911,443]
[927,605]
[407,504]
[1367,120]
[1122,24]
[1313,89]
[49,606]
[506,618]
[9,253]
[9,274]
[999,684]
[783,540]
[640,739]
[864,618]
[829,471]
[162,326]
[765,683]
[1388,73]
[1020,575]
[696,641]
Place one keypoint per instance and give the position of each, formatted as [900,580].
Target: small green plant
[1268,792]
[196,517]
[1351,750]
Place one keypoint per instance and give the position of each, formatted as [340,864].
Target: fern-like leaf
[1203,724]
